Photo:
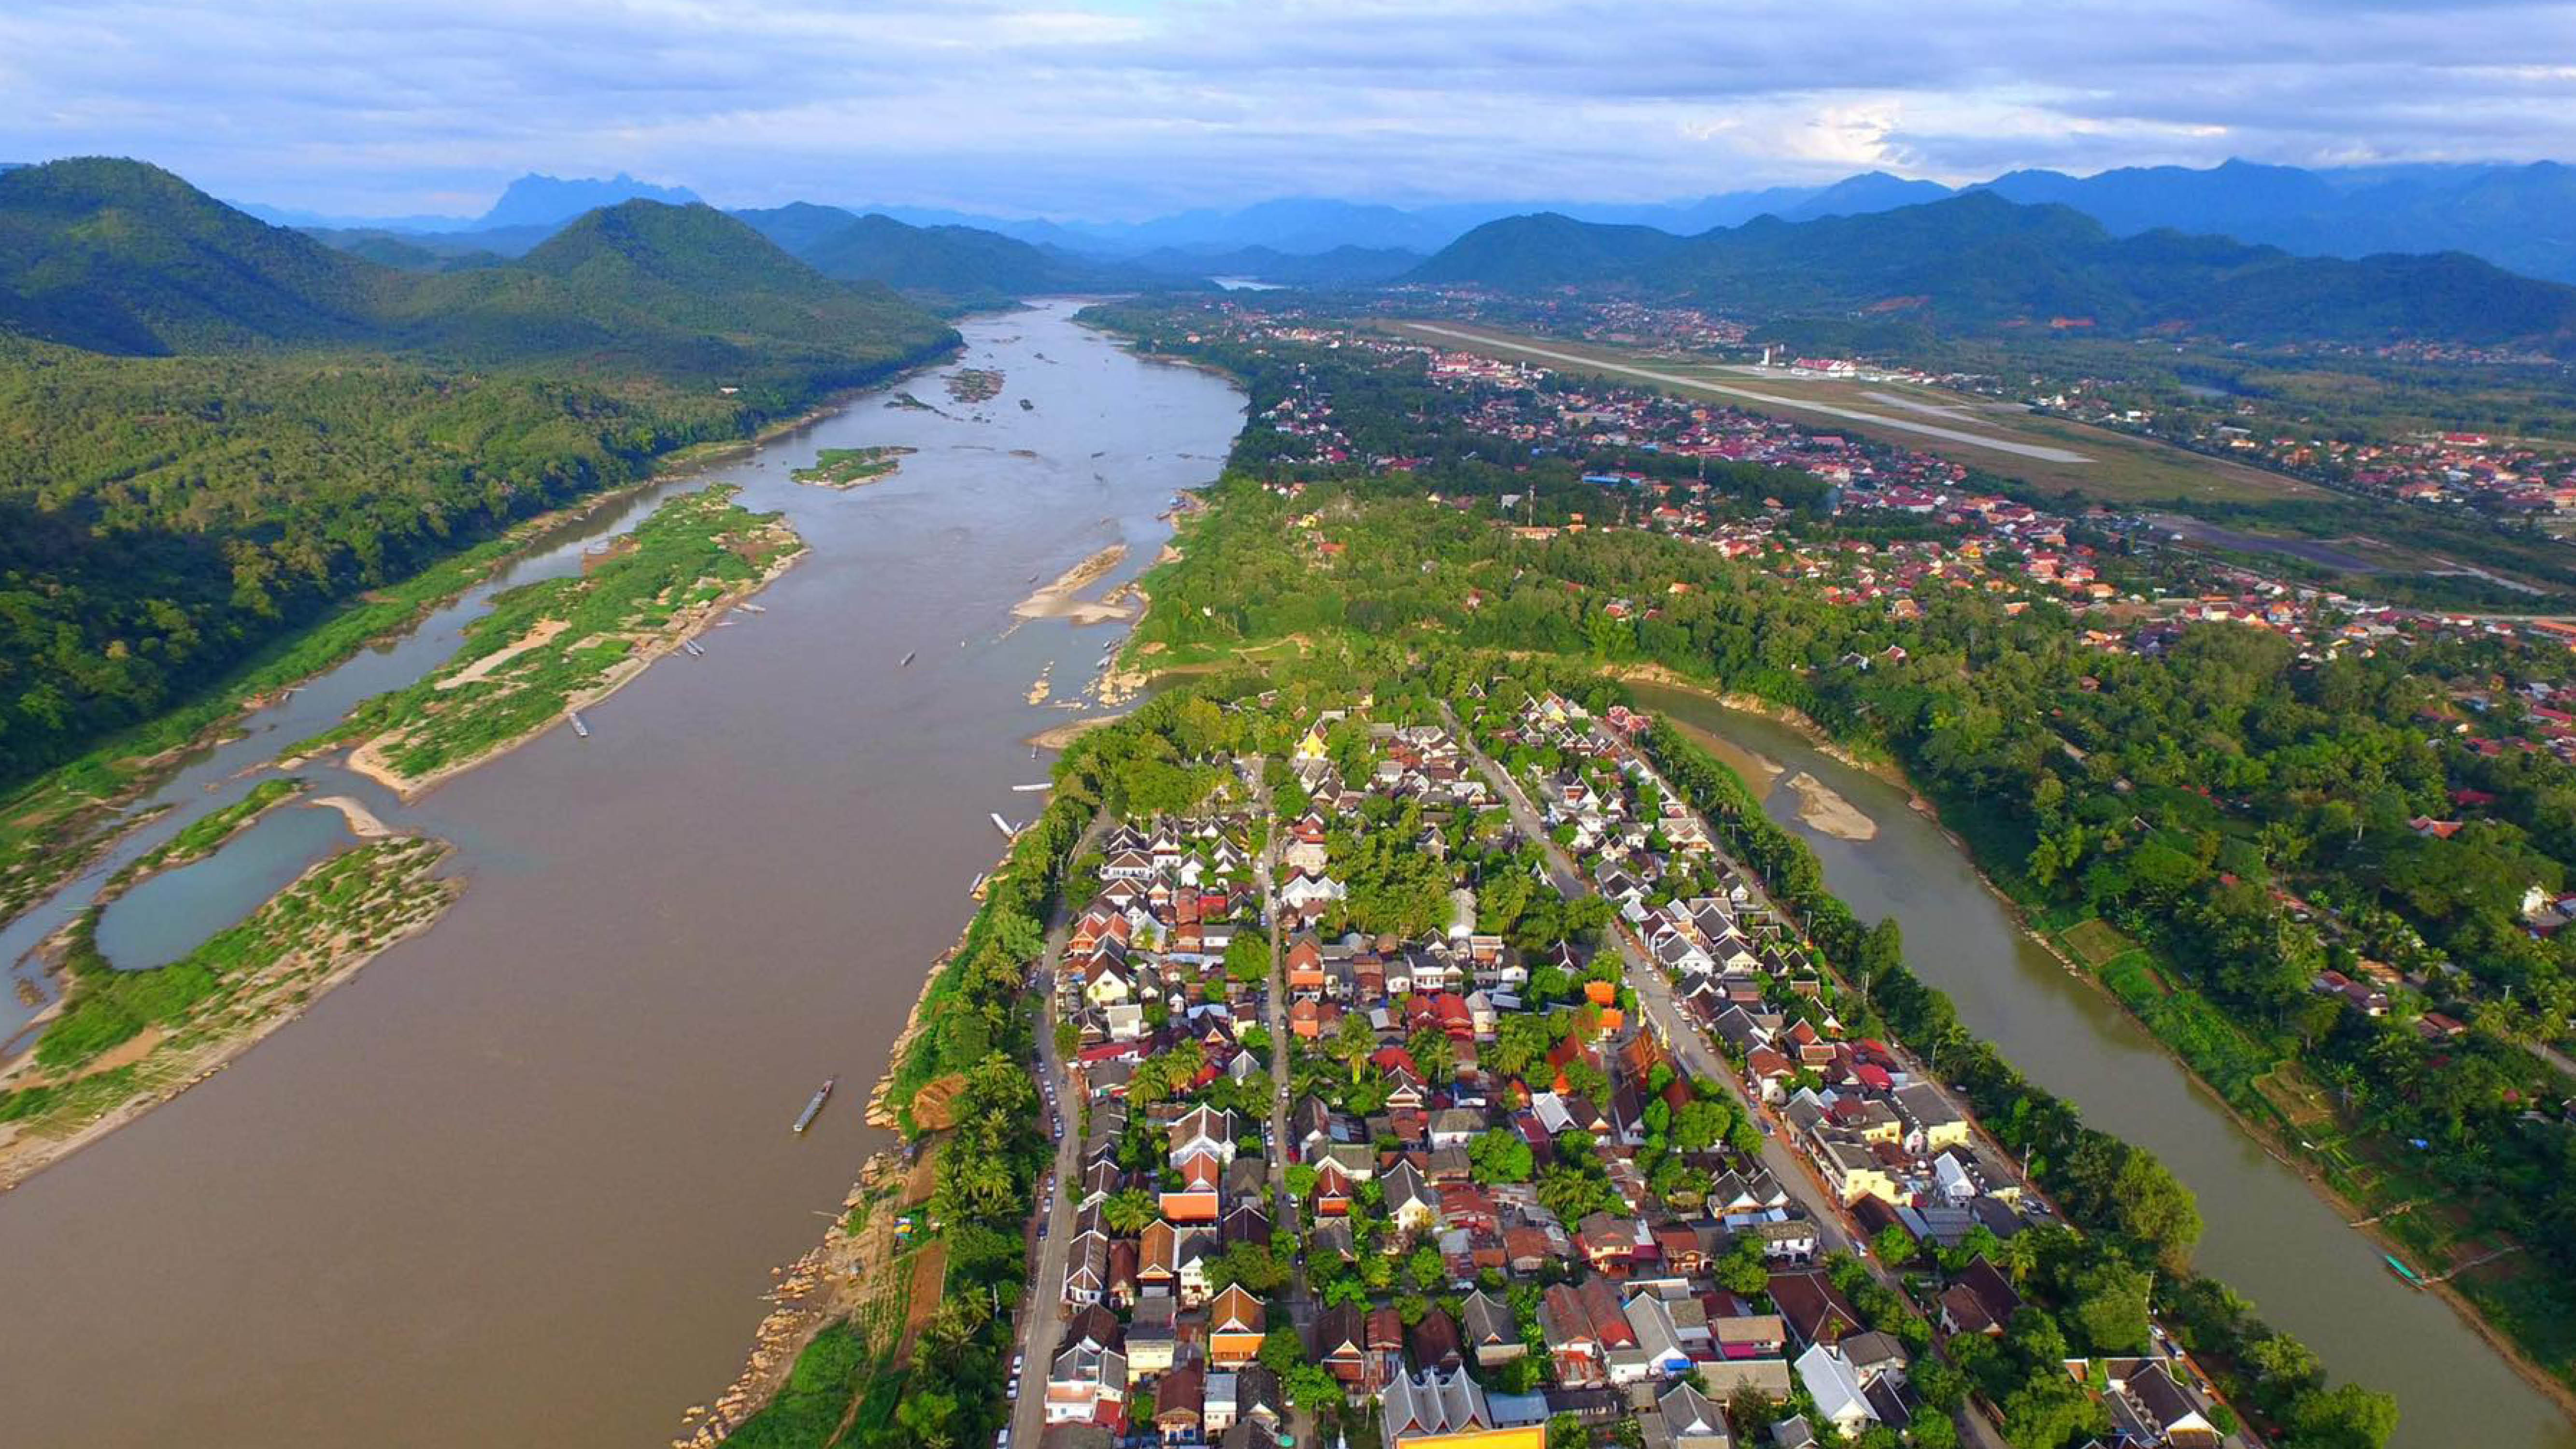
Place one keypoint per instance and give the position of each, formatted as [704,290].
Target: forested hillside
[949,266]
[213,430]
[1978,262]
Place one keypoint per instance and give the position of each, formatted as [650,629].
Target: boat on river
[814,1107]
[1003,825]
[2403,1272]
[907,659]
[692,646]
[579,727]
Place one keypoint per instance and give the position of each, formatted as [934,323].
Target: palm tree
[1128,1210]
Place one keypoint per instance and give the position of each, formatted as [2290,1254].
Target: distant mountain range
[548,201]
[2521,217]
[531,201]
[121,257]
[952,265]
[1982,261]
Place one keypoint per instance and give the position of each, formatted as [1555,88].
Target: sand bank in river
[645,646]
[537,638]
[1056,737]
[315,950]
[362,821]
[1057,601]
[1824,810]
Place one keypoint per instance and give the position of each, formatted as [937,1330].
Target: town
[2120,567]
[1419,1099]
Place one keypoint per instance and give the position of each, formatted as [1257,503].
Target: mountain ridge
[1979,260]
[121,257]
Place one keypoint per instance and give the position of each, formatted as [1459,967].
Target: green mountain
[948,261]
[116,256]
[1549,249]
[121,257]
[798,226]
[949,266]
[683,287]
[1978,261]
[215,432]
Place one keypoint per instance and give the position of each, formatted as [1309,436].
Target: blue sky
[1121,108]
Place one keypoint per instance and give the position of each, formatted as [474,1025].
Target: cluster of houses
[2001,546]
[1649,1311]
[2504,477]
[1605,1314]
[1894,1150]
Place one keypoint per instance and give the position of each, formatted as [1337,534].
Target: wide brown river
[522,1181]
[2268,1235]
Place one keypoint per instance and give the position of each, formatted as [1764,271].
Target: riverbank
[847,468]
[1056,600]
[1058,737]
[1663,677]
[2265,1131]
[65,821]
[836,1282]
[560,646]
[108,1056]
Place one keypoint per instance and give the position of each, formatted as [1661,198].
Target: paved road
[1663,1015]
[1680,1034]
[1999,443]
[1283,1217]
[1041,1318]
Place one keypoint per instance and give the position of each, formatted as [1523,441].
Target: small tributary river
[2268,1235]
[522,1180]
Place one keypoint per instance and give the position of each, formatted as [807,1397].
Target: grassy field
[2120,470]
[2095,943]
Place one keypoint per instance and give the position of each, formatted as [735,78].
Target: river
[2268,1234]
[523,1179]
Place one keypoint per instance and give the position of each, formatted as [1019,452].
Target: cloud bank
[1119,108]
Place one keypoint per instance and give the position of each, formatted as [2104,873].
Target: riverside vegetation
[2246,815]
[560,643]
[229,455]
[850,467]
[124,1040]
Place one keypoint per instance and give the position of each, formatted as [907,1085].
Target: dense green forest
[213,431]
[2246,810]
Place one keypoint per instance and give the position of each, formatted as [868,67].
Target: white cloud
[1128,106]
